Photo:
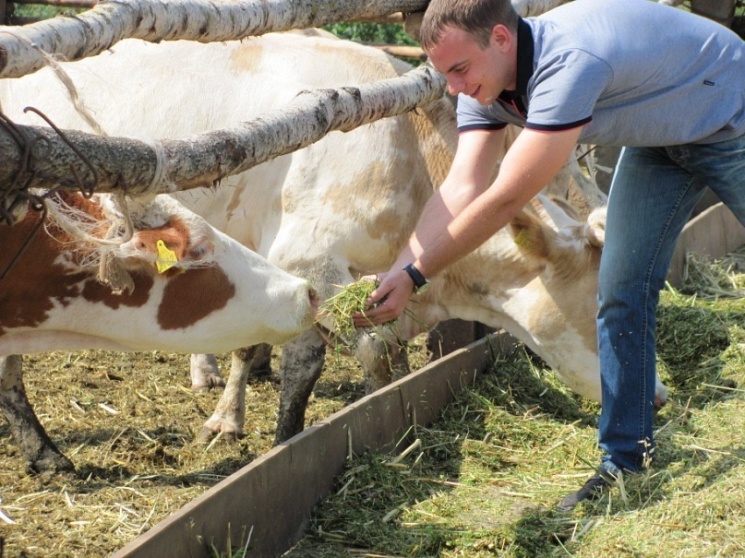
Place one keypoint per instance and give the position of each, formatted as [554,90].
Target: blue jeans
[651,198]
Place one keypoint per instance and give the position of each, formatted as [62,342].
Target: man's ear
[501,37]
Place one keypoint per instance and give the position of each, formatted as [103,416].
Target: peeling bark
[93,31]
[130,165]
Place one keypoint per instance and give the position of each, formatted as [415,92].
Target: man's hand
[388,301]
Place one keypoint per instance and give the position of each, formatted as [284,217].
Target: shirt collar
[524,56]
[524,65]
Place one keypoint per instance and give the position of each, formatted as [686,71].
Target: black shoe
[592,490]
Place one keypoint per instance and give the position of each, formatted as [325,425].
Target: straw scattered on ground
[720,278]
[128,422]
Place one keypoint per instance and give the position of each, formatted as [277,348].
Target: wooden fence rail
[8,16]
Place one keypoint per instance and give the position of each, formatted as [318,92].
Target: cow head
[537,279]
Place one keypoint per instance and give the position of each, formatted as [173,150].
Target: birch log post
[132,166]
[73,37]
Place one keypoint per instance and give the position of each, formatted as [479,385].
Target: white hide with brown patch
[218,295]
[342,207]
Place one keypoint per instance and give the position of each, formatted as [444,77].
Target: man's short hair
[476,17]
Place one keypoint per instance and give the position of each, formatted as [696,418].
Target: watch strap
[416,276]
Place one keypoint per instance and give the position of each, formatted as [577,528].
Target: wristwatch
[420,281]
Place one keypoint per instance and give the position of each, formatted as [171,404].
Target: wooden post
[454,334]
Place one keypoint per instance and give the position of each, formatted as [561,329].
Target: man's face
[481,73]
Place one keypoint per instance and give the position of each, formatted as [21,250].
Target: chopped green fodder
[485,479]
[351,299]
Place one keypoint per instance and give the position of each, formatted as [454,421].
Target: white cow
[342,207]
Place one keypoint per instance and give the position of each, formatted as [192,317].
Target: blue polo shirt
[634,72]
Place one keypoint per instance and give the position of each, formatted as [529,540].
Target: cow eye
[201,250]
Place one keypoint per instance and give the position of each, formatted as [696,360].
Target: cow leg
[261,365]
[204,373]
[301,366]
[230,412]
[381,360]
[41,455]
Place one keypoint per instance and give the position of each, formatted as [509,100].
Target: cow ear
[596,227]
[567,208]
[559,214]
[530,235]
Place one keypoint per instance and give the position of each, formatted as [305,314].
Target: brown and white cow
[344,206]
[184,285]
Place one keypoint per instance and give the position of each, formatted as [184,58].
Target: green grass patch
[383,33]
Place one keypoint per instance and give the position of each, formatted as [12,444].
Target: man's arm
[474,167]
[466,213]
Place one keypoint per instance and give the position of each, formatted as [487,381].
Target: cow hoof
[211,382]
[50,464]
[261,373]
[207,435]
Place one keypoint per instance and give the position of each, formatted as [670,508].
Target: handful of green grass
[351,299]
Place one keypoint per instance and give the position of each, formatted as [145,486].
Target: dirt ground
[128,423]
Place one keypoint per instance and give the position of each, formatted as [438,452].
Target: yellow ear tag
[166,258]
